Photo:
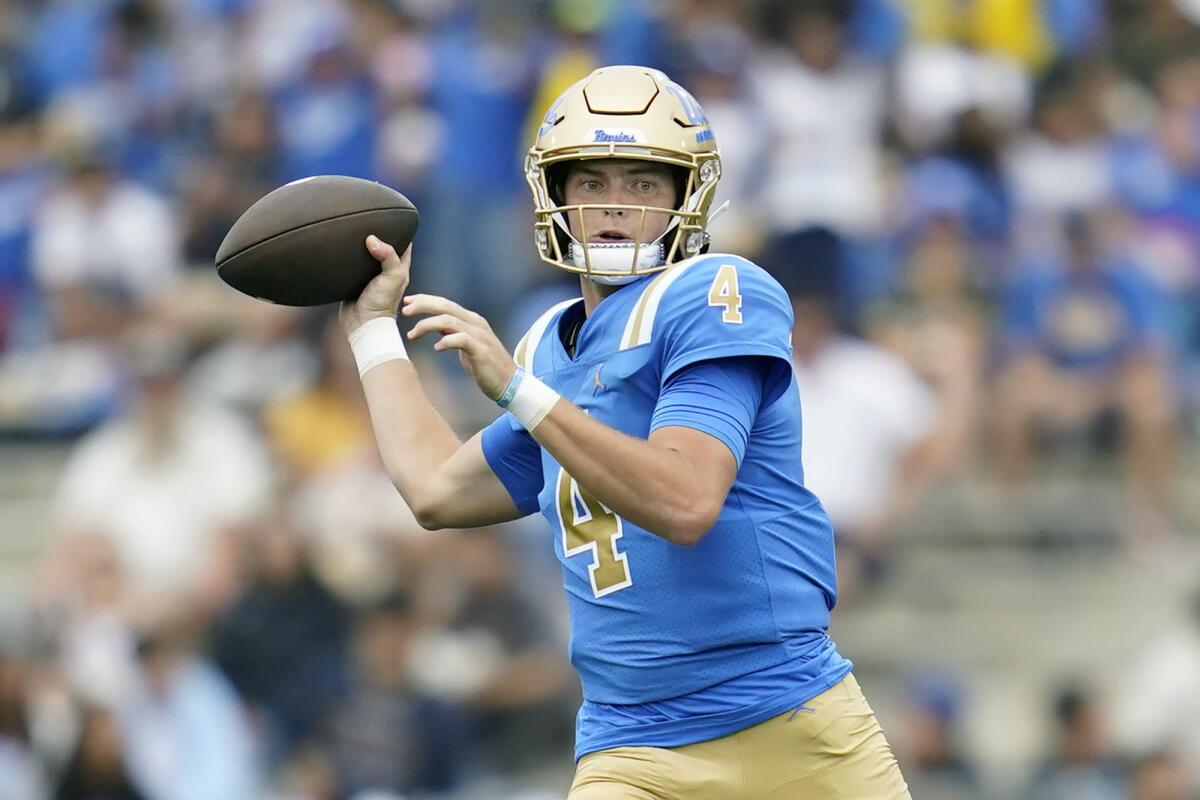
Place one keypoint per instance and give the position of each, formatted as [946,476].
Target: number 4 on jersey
[589,527]
[724,293]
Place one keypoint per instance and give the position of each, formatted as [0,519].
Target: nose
[613,196]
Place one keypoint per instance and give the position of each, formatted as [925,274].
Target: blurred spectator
[264,360]
[1014,28]
[25,179]
[1157,710]
[104,254]
[386,736]
[1148,33]
[938,84]
[1082,764]
[283,642]
[242,167]
[1077,27]
[717,57]
[20,772]
[103,247]
[361,534]
[931,757]
[136,97]
[184,733]
[1062,164]
[507,670]
[65,44]
[937,322]
[96,770]
[326,116]
[308,775]
[483,79]
[92,624]
[1157,172]
[822,169]
[1081,340]
[962,181]
[325,424]
[169,484]
[277,37]
[1160,776]
[868,426]
[401,65]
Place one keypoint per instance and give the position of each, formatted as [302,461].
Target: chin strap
[615,260]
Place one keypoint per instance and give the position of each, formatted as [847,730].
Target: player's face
[623,182]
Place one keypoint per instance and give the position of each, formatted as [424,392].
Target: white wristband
[532,401]
[376,341]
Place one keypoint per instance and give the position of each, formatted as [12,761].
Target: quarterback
[654,422]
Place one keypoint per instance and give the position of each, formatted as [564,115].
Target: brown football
[302,244]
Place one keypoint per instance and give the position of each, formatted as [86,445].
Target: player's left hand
[481,353]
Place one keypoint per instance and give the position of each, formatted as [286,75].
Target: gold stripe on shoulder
[640,327]
[527,347]
[522,346]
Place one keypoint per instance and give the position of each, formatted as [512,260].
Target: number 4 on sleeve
[724,294]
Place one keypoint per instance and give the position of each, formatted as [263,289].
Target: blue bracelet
[510,391]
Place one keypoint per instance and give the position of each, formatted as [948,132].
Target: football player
[655,424]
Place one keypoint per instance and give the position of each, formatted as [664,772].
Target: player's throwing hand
[480,352]
[382,295]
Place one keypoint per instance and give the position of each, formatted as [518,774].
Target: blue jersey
[675,644]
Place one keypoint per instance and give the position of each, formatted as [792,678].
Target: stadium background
[988,211]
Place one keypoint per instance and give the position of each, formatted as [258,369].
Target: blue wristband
[510,391]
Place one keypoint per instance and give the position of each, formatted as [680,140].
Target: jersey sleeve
[721,307]
[720,398]
[516,458]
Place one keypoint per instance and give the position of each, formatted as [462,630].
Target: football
[302,244]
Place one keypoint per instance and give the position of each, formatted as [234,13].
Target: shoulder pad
[695,277]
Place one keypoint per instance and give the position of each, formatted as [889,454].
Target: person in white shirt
[101,232]
[168,485]
[869,426]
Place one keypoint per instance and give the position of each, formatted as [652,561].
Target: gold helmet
[628,113]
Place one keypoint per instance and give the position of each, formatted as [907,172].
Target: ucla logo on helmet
[617,135]
[551,119]
[691,107]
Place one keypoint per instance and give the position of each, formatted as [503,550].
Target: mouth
[611,236]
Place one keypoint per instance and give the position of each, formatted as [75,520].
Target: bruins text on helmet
[623,112]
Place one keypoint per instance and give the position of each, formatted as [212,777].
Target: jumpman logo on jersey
[598,385]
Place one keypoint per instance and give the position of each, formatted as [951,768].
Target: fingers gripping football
[381,297]
[481,353]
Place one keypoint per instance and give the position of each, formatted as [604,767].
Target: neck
[593,293]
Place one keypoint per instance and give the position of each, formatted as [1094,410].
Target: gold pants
[835,750]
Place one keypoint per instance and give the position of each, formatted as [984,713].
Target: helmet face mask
[626,114]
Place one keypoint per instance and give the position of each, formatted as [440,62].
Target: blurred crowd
[987,213]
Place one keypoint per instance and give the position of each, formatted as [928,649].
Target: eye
[592,185]
[646,186]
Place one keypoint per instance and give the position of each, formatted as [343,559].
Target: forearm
[649,484]
[414,441]
[446,483]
